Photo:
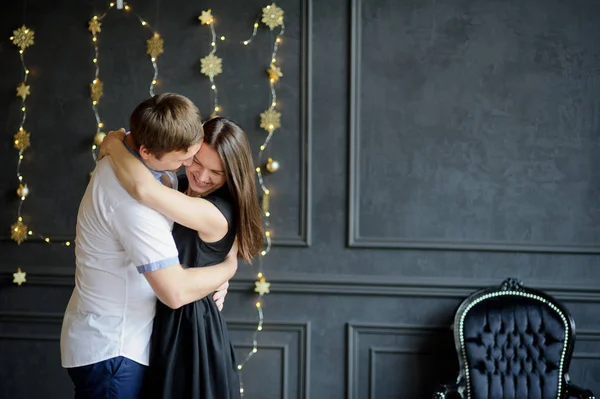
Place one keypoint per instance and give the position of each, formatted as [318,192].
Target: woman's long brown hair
[230,142]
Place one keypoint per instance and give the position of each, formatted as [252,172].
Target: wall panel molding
[374,351]
[354,331]
[304,229]
[284,349]
[302,332]
[367,285]
[355,239]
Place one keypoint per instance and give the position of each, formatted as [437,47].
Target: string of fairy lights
[22,38]
[270,120]
[154,47]
[211,65]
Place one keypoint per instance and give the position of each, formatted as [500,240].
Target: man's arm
[147,240]
[176,286]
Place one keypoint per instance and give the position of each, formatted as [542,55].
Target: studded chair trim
[512,288]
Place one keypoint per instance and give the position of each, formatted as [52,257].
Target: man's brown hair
[165,123]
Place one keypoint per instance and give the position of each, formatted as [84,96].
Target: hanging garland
[270,120]
[22,38]
[154,47]
[211,65]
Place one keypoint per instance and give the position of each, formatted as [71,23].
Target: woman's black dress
[191,356]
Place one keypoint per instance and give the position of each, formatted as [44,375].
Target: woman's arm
[194,213]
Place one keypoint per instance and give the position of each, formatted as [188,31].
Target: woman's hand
[111,139]
[231,259]
[219,296]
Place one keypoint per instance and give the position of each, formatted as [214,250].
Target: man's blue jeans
[116,378]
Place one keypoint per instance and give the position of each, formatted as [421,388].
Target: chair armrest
[447,391]
[573,391]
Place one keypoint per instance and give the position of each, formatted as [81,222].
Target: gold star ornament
[23,90]
[22,37]
[272,16]
[155,46]
[262,286]
[270,120]
[206,18]
[211,65]
[18,232]
[19,277]
[22,140]
[274,73]
[96,89]
[95,26]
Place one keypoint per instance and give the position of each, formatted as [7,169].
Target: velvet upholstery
[513,343]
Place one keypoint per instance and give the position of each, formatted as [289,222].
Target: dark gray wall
[428,149]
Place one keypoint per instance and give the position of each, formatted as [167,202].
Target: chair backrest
[513,342]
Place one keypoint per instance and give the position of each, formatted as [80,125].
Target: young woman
[191,355]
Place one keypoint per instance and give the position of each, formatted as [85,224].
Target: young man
[126,257]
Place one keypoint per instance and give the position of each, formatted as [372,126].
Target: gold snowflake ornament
[262,286]
[96,89]
[22,140]
[19,277]
[22,37]
[23,90]
[270,120]
[155,46]
[95,26]
[18,232]
[206,18]
[274,73]
[211,65]
[272,16]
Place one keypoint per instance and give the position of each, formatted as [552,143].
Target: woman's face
[206,173]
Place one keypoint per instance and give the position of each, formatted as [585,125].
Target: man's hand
[219,296]
[109,140]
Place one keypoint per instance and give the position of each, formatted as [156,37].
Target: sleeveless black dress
[191,356]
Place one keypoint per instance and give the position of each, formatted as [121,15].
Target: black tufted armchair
[513,343]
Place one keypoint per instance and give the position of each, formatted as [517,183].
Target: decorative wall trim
[359,285]
[355,240]
[374,351]
[284,349]
[304,229]
[302,329]
[353,335]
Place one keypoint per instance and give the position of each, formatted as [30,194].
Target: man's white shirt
[112,307]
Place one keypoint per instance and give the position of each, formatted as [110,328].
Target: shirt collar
[157,174]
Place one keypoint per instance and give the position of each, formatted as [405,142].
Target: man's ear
[144,153]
